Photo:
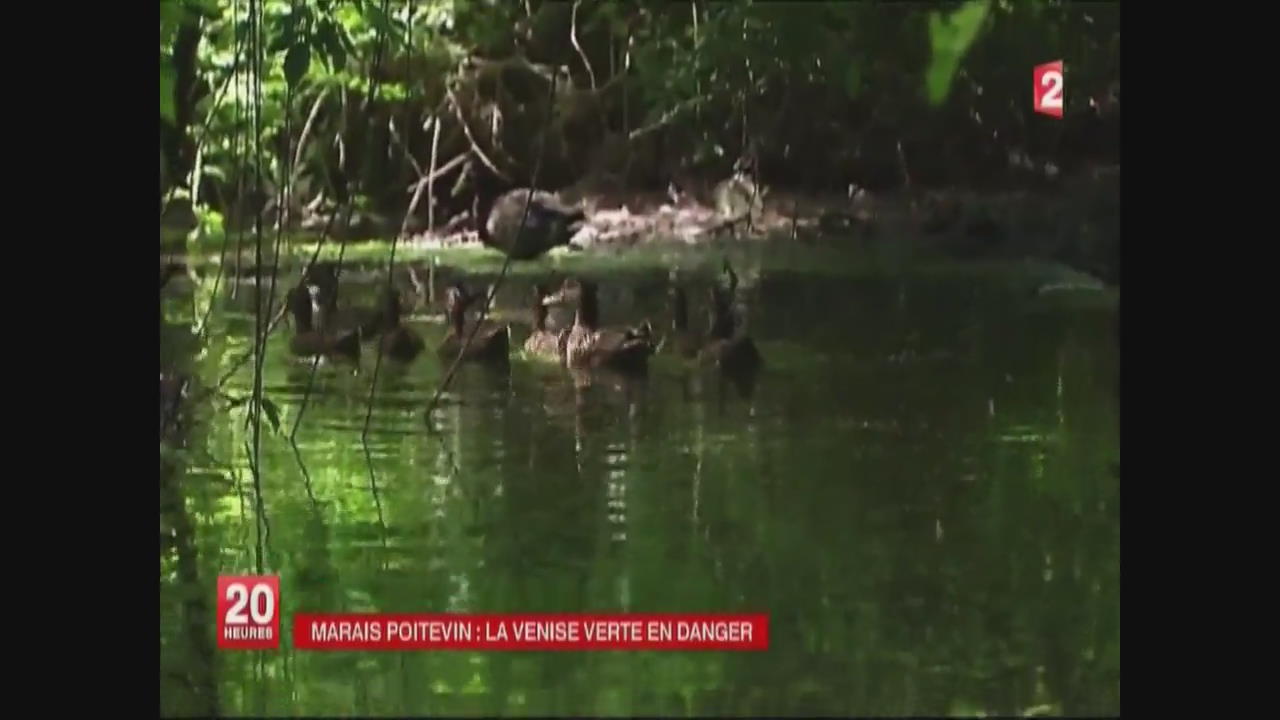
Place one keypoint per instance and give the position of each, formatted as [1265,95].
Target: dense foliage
[338,99]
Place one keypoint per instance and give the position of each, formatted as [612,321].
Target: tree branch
[306,129]
[667,117]
[475,146]
[573,37]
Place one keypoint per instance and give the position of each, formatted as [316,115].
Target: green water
[920,490]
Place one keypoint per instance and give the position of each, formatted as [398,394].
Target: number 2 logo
[1050,85]
[248,612]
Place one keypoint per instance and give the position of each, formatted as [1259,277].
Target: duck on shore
[549,223]
[503,224]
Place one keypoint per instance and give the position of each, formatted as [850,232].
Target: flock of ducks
[321,329]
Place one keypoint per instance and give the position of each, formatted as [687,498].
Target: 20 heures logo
[249,612]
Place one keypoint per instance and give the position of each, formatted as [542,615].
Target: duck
[543,343]
[550,223]
[685,342]
[740,198]
[322,278]
[589,346]
[729,346]
[308,341]
[491,342]
[396,341]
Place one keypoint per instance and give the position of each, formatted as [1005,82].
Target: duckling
[307,341]
[548,224]
[491,343]
[397,341]
[543,343]
[588,346]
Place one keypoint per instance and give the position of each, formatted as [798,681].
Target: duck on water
[590,346]
[543,343]
[310,341]
[491,342]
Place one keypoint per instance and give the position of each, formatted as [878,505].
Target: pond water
[921,490]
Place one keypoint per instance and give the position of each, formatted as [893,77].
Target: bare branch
[440,171]
[475,146]
[306,129]
[431,179]
[573,37]
[667,117]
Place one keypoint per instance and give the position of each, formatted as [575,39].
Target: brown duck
[491,342]
[396,341]
[543,343]
[308,341]
[322,277]
[588,345]
[729,347]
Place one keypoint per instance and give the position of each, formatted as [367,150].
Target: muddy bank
[1075,221]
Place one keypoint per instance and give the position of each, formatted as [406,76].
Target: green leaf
[297,62]
[329,44]
[951,39]
[382,23]
[170,18]
[279,42]
[167,80]
[273,413]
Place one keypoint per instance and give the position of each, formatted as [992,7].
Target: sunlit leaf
[328,41]
[382,23]
[170,17]
[951,38]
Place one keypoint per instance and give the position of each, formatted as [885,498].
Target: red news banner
[373,631]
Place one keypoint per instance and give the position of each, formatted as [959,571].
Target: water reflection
[917,488]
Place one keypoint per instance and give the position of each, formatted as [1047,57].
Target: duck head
[300,305]
[539,308]
[583,294]
[729,277]
[390,306]
[456,300]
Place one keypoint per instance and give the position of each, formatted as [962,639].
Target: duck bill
[559,297]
